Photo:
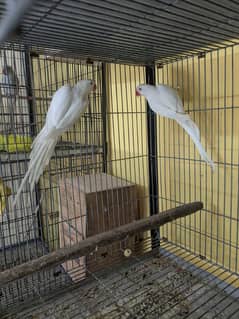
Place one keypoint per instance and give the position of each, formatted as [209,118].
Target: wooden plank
[88,245]
[98,182]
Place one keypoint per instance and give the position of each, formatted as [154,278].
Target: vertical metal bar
[205,95]
[104,116]
[33,130]
[225,246]
[231,252]
[213,113]
[152,158]
[29,90]
[200,106]
[219,182]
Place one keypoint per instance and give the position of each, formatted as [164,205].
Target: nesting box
[93,204]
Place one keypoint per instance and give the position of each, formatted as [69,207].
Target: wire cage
[121,163]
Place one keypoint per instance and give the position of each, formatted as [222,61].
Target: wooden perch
[88,245]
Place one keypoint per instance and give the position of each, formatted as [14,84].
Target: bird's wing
[169,98]
[80,102]
[59,106]
[77,107]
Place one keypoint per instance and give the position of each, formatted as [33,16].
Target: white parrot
[67,105]
[10,88]
[165,101]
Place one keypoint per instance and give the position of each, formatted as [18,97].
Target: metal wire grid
[80,151]
[15,138]
[123,159]
[133,31]
[20,125]
[48,74]
[147,286]
[58,278]
[120,159]
[127,144]
[82,145]
[209,91]
[167,195]
[40,232]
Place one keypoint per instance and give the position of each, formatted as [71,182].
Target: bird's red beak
[137,93]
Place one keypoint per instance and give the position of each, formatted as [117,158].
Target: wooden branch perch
[88,245]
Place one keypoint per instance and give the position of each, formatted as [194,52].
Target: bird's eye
[140,89]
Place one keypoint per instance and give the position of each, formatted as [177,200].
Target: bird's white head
[86,86]
[144,89]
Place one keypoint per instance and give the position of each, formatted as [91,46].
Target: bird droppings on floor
[153,287]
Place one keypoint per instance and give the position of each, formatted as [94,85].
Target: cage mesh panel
[134,31]
[193,47]
[209,92]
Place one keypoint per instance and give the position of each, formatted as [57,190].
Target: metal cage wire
[144,32]
[191,46]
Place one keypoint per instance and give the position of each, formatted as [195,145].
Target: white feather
[165,101]
[65,109]
[193,131]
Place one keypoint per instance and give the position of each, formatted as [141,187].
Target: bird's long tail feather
[191,128]
[38,138]
[43,161]
[42,151]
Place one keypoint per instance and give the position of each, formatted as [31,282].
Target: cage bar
[121,163]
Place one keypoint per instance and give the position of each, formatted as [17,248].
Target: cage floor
[31,286]
[153,286]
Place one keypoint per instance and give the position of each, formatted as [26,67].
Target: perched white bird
[67,105]
[165,101]
[10,88]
